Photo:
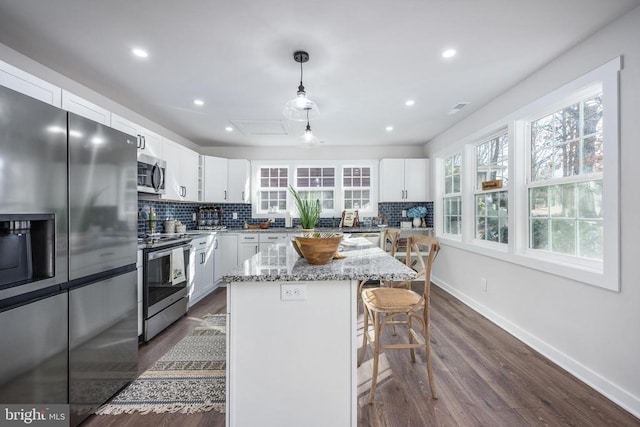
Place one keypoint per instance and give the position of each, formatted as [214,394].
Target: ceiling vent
[260,127]
[459,106]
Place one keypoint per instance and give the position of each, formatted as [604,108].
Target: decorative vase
[416,222]
[424,223]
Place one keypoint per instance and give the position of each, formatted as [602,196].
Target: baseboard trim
[594,380]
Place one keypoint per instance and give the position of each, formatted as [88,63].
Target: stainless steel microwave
[151,173]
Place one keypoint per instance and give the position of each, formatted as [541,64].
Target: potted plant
[308,210]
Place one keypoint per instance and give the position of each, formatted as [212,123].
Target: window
[317,183]
[452,199]
[558,209]
[273,189]
[566,176]
[491,205]
[356,184]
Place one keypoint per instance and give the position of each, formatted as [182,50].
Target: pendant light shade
[308,138]
[300,108]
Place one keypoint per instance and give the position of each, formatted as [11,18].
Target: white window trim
[339,188]
[606,274]
[255,181]
[439,205]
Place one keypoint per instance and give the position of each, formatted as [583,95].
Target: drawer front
[248,238]
[273,237]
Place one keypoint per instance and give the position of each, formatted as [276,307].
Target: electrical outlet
[235,215]
[483,284]
[404,214]
[194,216]
[293,292]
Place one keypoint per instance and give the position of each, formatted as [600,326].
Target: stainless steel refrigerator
[33,250]
[102,287]
[68,282]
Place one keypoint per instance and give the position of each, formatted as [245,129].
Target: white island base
[292,363]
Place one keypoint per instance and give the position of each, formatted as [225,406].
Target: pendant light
[300,108]
[309,138]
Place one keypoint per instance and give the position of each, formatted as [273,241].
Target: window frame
[369,188]
[292,166]
[477,190]
[258,193]
[446,197]
[605,274]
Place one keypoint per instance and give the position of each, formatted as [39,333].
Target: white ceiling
[367,57]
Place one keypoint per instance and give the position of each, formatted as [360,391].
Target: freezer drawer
[33,344]
[103,342]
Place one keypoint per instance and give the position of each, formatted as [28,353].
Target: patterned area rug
[189,378]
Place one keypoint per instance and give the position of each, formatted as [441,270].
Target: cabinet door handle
[139,142]
[243,196]
[256,248]
[406,194]
[144,142]
[202,258]
[215,244]
[225,194]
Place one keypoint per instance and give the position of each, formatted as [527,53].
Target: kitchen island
[292,336]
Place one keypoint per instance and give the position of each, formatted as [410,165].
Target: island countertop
[280,262]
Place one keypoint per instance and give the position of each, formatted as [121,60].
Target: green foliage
[308,210]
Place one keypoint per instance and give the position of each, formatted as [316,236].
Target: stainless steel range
[165,283]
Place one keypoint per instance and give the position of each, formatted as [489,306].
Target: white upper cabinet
[29,85]
[215,180]
[189,174]
[181,175]
[226,180]
[149,143]
[239,176]
[404,180]
[82,107]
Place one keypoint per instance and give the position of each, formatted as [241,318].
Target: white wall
[592,332]
[318,153]
[27,64]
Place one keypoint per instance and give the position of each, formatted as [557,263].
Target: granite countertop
[320,229]
[281,263]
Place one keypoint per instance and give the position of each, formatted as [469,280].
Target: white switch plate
[293,292]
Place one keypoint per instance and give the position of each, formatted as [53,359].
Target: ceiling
[367,57]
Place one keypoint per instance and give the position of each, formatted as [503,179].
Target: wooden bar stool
[397,306]
[389,243]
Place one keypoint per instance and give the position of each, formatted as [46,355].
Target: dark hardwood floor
[484,377]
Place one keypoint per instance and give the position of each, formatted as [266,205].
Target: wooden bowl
[318,250]
[295,246]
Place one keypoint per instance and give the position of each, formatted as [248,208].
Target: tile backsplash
[184,212]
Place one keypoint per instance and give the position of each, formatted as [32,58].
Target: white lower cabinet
[248,246]
[269,239]
[228,253]
[202,260]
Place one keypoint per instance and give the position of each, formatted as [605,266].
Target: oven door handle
[160,254]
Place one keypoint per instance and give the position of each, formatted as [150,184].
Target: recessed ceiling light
[198,102]
[229,129]
[409,102]
[389,128]
[140,53]
[449,53]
